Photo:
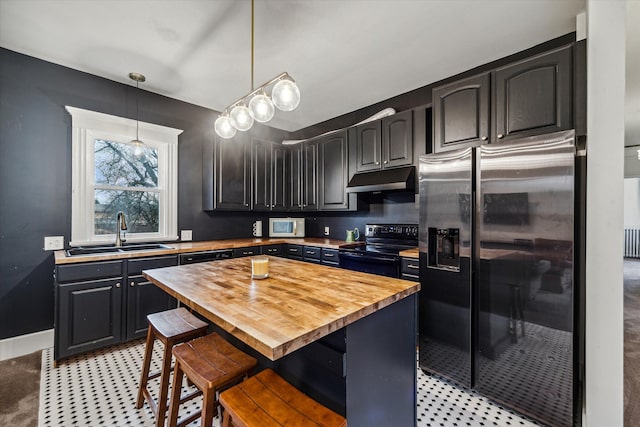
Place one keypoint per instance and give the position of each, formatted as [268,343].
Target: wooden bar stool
[171,327]
[211,364]
[267,400]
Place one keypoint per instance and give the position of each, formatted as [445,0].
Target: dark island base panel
[365,371]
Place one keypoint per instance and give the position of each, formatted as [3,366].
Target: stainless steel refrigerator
[497,309]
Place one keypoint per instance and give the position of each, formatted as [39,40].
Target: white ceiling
[344,54]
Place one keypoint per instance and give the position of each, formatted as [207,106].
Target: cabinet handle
[484,138]
[246,204]
[311,252]
[377,163]
[386,161]
[415,267]
[247,253]
[118,285]
[132,284]
[500,136]
[329,255]
[273,206]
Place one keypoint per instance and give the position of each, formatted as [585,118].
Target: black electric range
[379,254]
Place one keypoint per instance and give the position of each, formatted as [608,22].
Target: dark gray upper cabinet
[232,173]
[525,98]
[333,172]
[262,156]
[397,140]
[303,166]
[280,181]
[369,146]
[461,113]
[385,143]
[270,179]
[535,95]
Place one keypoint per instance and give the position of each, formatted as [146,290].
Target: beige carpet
[631,342]
[20,390]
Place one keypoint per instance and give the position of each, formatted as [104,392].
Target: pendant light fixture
[257,105]
[138,145]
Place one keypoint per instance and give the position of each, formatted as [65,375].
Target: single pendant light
[138,145]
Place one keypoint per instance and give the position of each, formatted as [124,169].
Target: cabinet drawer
[136,266]
[330,256]
[410,269]
[312,253]
[89,271]
[248,251]
[294,251]
[275,250]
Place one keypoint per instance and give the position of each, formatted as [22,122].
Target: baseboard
[25,344]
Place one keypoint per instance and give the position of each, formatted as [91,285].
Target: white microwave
[286,227]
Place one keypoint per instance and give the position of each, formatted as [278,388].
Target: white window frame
[87,126]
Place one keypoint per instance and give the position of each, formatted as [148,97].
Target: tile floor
[99,388]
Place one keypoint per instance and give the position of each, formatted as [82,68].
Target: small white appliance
[257,229]
[286,227]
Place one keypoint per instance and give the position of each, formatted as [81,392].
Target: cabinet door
[280,180]
[310,177]
[461,113]
[534,96]
[397,140]
[144,298]
[232,173]
[89,316]
[262,151]
[333,172]
[294,166]
[368,146]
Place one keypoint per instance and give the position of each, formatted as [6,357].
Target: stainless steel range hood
[397,179]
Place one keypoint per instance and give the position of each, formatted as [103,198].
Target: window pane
[140,209]
[116,164]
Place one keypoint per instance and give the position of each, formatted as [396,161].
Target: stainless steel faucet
[120,225]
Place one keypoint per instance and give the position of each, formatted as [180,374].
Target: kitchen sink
[95,250]
[143,247]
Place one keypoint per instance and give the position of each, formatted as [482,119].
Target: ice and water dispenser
[444,248]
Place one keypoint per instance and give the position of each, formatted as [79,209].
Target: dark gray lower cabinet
[143,297]
[103,303]
[247,251]
[275,250]
[294,251]
[410,269]
[311,254]
[88,316]
[329,256]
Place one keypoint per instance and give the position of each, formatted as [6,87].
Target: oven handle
[368,257]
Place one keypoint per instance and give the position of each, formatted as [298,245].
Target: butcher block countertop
[410,253]
[297,304]
[177,248]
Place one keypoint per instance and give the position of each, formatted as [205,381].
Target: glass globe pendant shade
[137,147]
[286,95]
[224,127]
[241,117]
[261,108]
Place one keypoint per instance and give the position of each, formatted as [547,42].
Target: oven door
[383,265]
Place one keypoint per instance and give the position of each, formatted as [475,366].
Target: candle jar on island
[259,268]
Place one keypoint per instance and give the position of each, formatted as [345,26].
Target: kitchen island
[347,339]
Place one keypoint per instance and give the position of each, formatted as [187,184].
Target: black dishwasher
[205,256]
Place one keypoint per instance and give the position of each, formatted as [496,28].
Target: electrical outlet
[53,243]
[186,235]
[326,231]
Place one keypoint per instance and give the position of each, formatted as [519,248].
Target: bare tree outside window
[128,183]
